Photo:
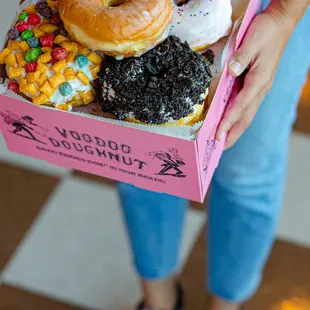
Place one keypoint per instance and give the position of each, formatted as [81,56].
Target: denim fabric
[246,197]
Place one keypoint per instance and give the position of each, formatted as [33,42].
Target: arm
[261,49]
[291,10]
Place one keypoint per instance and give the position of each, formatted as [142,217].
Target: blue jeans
[246,196]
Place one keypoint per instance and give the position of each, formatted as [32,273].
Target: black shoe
[180,300]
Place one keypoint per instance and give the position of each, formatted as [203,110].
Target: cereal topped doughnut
[120,28]
[44,64]
[201,22]
[167,85]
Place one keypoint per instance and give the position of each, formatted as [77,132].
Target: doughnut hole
[113,3]
[181,2]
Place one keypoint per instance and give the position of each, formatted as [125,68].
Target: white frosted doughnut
[202,22]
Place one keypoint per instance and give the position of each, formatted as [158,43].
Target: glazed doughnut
[201,22]
[119,28]
[166,86]
[44,65]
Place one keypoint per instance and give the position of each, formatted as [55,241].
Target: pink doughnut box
[151,161]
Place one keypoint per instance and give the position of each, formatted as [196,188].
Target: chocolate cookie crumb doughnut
[168,84]
[210,56]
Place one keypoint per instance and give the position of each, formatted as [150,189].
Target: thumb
[240,60]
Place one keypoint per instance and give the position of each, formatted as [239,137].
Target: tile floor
[88,252]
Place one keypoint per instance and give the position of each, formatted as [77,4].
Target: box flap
[209,149]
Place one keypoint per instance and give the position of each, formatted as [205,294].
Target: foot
[178,303]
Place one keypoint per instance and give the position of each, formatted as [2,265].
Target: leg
[248,185]
[30,134]
[155,223]
[16,130]
[165,169]
[178,171]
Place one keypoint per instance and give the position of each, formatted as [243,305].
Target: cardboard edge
[95,118]
[232,40]
[219,151]
[197,164]
[236,40]
[256,7]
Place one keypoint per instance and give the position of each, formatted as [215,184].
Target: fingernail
[222,135]
[236,67]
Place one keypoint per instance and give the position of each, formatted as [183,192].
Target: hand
[261,50]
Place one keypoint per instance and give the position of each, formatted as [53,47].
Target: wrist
[288,12]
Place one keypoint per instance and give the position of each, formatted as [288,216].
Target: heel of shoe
[179,304]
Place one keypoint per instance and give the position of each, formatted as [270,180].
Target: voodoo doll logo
[24,126]
[209,149]
[172,163]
